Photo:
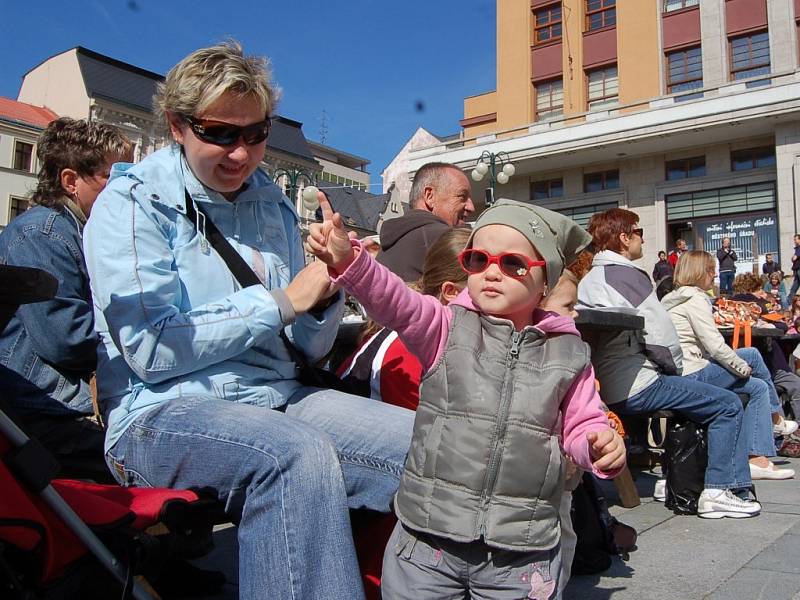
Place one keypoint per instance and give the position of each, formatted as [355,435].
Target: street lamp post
[499,167]
[294,178]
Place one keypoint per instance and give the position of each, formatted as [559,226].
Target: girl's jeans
[287,480]
[757,423]
[720,409]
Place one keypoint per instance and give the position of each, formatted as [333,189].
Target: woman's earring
[546,291]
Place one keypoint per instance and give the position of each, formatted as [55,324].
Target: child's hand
[607,449]
[328,240]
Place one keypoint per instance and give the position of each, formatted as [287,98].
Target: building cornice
[731,104]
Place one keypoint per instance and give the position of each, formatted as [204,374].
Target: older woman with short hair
[195,376]
[707,358]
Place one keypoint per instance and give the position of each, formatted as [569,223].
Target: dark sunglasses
[638,231]
[511,264]
[225,134]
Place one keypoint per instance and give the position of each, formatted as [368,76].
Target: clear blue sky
[378,68]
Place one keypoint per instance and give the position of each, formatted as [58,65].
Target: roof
[26,114]
[343,158]
[287,136]
[358,209]
[111,79]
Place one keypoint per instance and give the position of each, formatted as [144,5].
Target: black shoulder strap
[240,269]
[237,265]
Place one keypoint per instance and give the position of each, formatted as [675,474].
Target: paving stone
[756,584]
[782,555]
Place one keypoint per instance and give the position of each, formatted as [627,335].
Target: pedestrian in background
[663,268]
[727,267]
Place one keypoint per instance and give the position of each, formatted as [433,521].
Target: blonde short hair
[205,75]
[692,268]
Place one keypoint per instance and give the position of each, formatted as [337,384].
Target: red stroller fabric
[27,523]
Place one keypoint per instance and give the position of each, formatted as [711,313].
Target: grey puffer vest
[485,458]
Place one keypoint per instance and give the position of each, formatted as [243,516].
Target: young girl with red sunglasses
[506,387]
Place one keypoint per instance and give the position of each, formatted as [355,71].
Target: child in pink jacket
[506,387]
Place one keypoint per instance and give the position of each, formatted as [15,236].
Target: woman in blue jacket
[196,384]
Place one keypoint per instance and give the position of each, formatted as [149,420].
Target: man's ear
[448,292]
[69,181]
[176,126]
[428,195]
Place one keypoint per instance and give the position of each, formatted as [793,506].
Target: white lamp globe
[310,201]
[476,175]
[502,178]
[482,168]
[509,169]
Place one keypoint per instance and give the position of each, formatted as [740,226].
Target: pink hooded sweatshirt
[423,323]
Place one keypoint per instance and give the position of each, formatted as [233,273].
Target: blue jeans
[757,423]
[795,285]
[726,282]
[287,480]
[720,409]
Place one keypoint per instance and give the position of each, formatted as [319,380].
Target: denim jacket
[48,348]
[172,319]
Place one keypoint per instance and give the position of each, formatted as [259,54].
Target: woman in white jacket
[707,358]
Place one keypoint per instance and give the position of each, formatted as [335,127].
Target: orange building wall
[639,57]
[514,28]
[572,40]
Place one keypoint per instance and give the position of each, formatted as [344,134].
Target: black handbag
[308,374]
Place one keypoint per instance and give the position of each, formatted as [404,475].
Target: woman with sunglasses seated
[640,371]
[195,382]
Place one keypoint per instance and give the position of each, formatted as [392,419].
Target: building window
[23,156]
[17,206]
[752,158]
[582,214]
[684,70]
[750,55]
[600,13]
[547,24]
[603,87]
[670,5]
[549,99]
[604,180]
[551,188]
[685,167]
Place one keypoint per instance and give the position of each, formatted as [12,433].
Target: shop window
[684,70]
[603,180]
[670,5]
[551,188]
[549,99]
[752,158]
[724,201]
[23,156]
[749,55]
[600,13]
[547,24]
[603,87]
[685,167]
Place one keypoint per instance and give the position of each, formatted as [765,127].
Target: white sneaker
[784,427]
[770,472]
[660,490]
[716,504]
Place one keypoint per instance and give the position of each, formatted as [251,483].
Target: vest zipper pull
[516,338]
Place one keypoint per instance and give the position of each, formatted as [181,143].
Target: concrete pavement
[678,557]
